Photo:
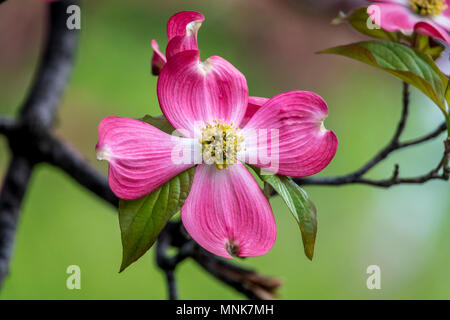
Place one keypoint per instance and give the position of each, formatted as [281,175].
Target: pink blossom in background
[430,17]
[226,211]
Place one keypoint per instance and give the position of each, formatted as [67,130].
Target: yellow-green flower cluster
[428,7]
[221,143]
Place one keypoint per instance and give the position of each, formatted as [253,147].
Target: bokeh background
[405,230]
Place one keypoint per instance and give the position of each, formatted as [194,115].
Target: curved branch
[55,67]
[432,175]
[436,133]
[394,143]
[67,158]
[11,196]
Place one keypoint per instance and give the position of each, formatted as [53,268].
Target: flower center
[220,144]
[428,7]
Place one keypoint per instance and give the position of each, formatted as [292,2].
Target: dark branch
[39,109]
[436,133]
[245,281]
[11,196]
[73,163]
[252,284]
[393,144]
[432,175]
[7,125]
[171,284]
[166,263]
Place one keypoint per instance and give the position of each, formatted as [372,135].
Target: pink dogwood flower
[430,17]
[226,211]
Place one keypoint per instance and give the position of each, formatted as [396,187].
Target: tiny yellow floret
[428,7]
[221,143]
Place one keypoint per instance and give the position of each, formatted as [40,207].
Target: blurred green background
[405,230]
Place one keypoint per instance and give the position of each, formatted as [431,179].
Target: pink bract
[182,30]
[226,211]
[398,15]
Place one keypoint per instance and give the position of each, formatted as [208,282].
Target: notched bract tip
[232,248]
[193,27]
[103,153]
[205,66]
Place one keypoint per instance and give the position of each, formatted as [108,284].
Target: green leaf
[302,208]
[142,220]
[405,63]
[159,122]
[359,20]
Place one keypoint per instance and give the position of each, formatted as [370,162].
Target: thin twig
[432,175]
[394,145]
[436,133]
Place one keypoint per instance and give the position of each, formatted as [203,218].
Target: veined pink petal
[227,212]
[181,43]
[433,30]
[158,60]
[394,17]
[254,103]
[191,91]
[295,120]
[139,156]
[182,30]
